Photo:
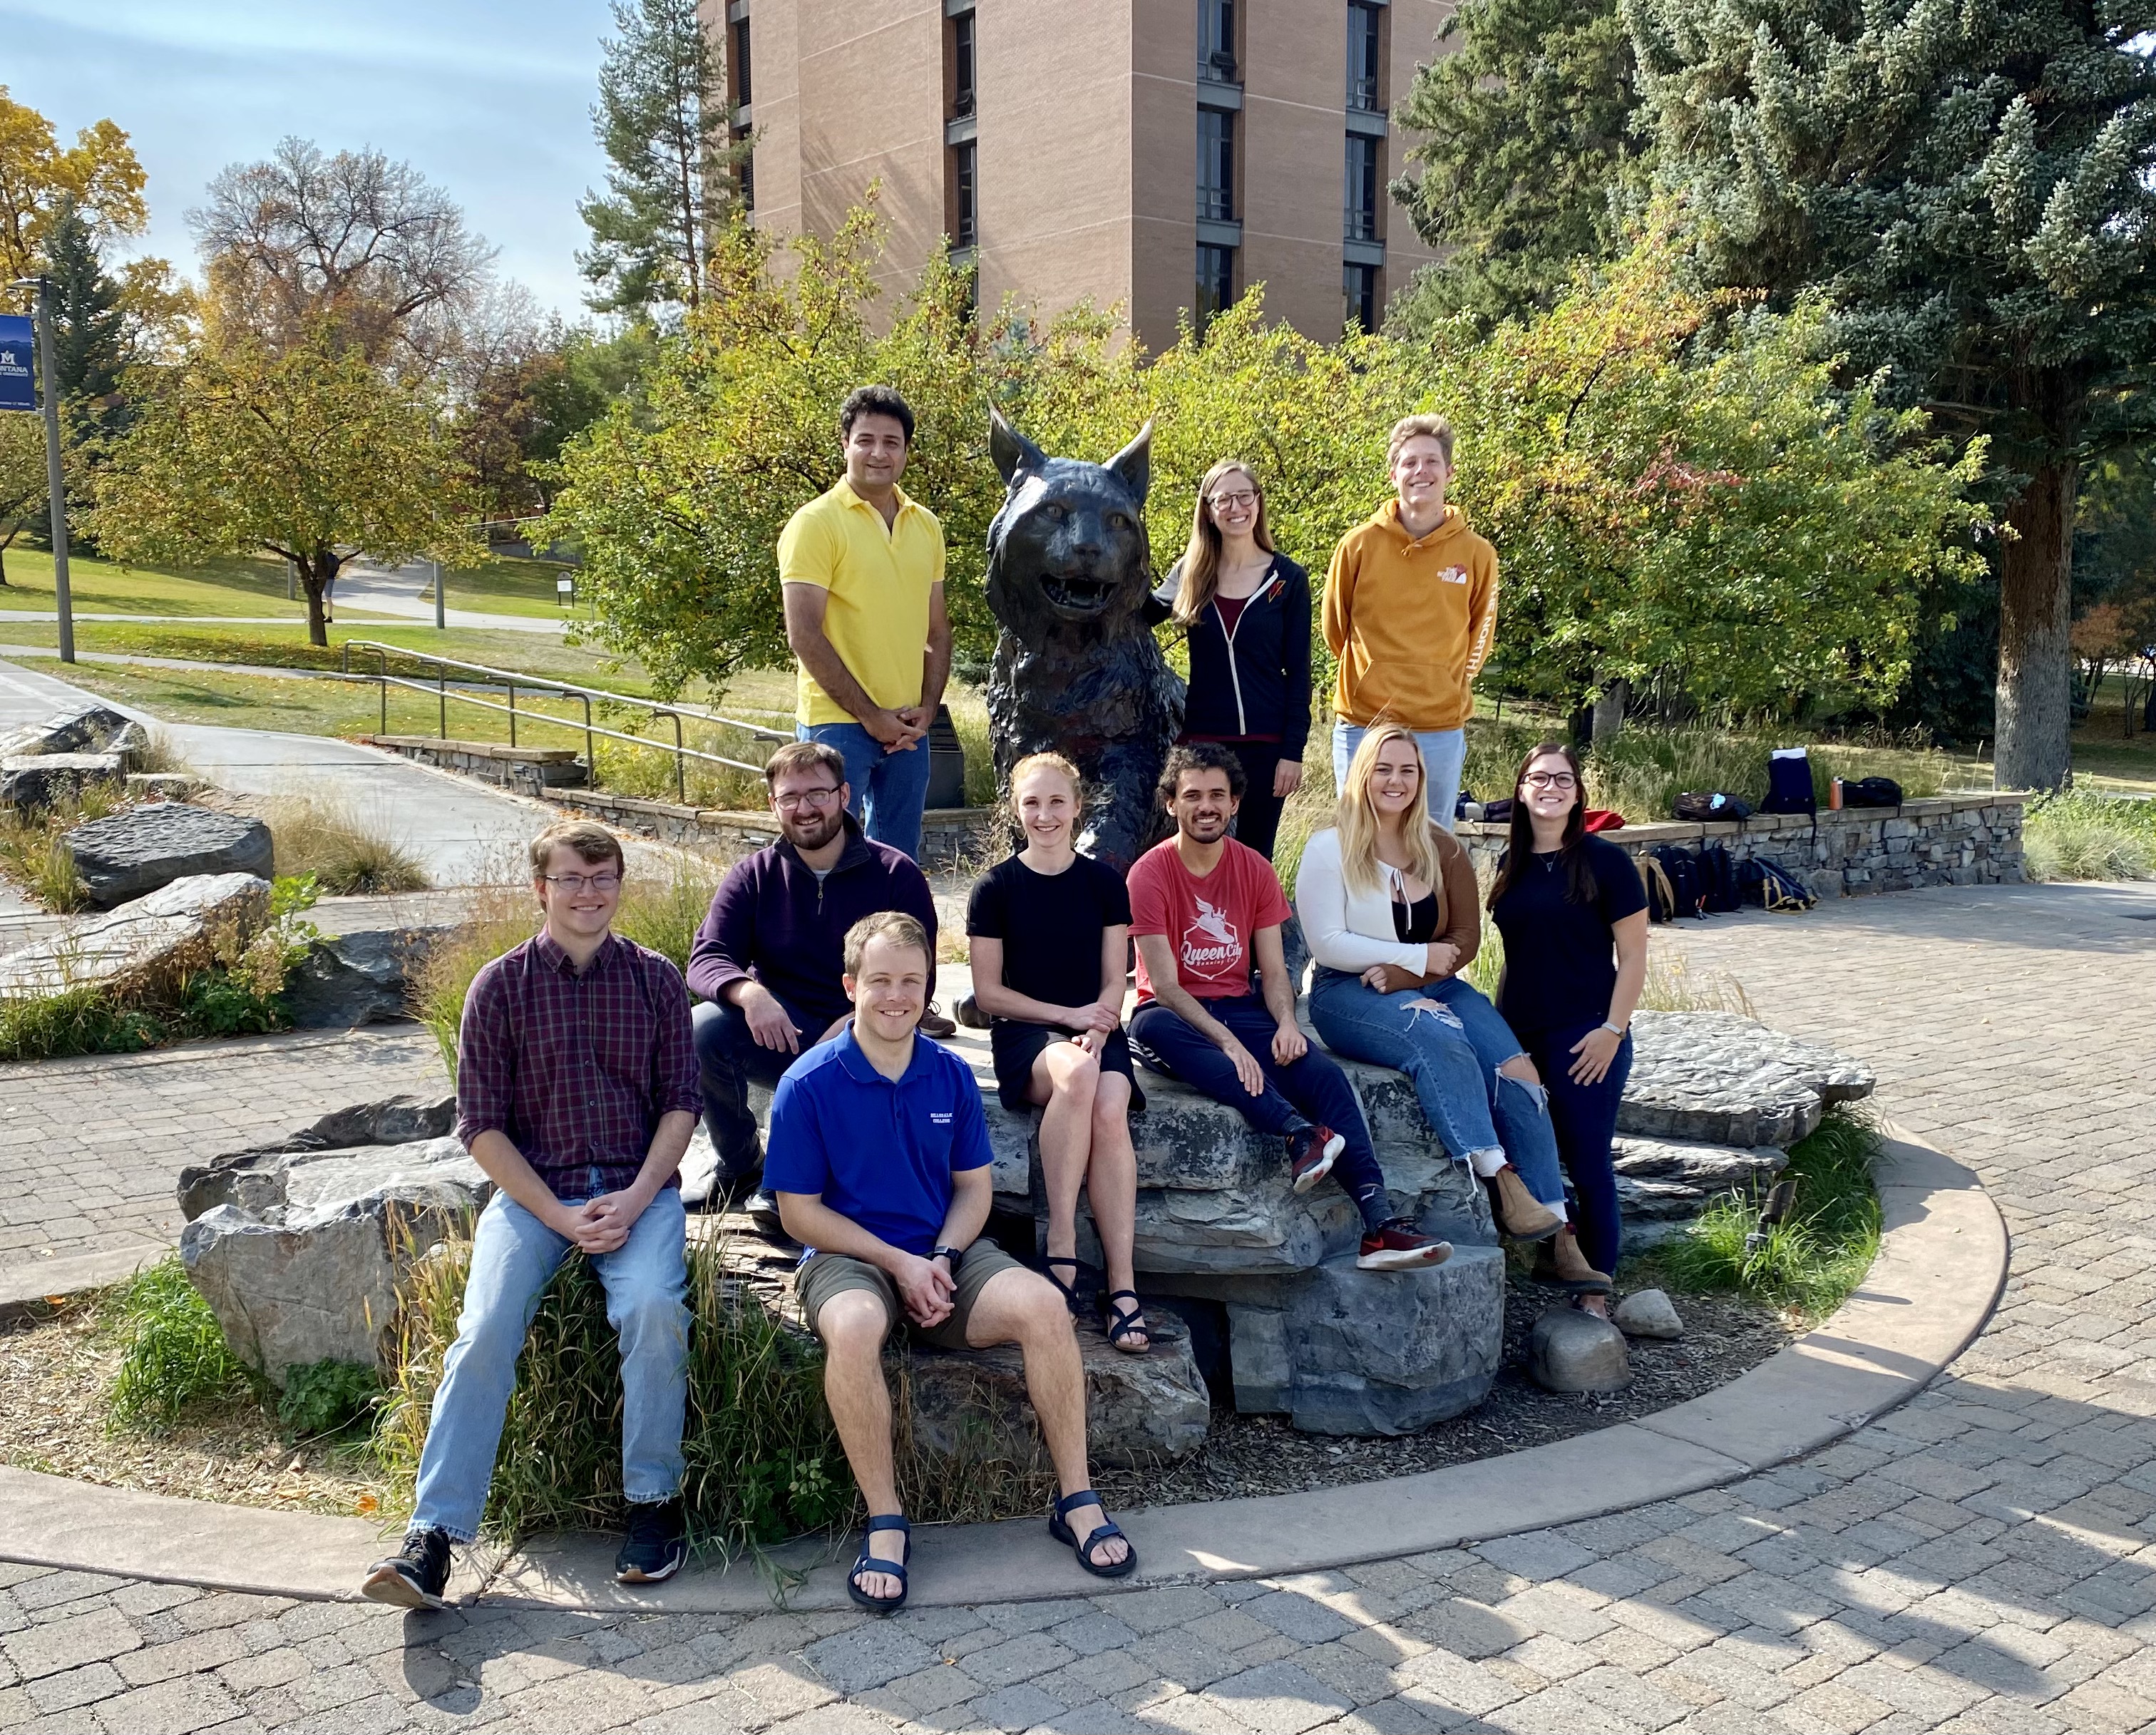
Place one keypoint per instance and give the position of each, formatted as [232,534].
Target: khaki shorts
[829,1274]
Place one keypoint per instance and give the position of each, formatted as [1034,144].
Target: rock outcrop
[1730,1080]
[358,978]
[146,944]
[130,853]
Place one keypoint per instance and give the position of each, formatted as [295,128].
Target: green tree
[1524,137]
[1971,188]
[306,451]
[664,121]
[89,324]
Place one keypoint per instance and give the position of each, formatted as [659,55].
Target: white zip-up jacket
[1346,929]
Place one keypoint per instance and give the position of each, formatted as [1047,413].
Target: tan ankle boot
[1573,1271]
[1518,1212]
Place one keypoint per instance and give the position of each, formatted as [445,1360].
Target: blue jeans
[1451,1057]
[889,789]
[1585,1118]
[513,1257]
[1312,1089]
[1443,756]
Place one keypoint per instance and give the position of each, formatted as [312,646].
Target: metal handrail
[539,683]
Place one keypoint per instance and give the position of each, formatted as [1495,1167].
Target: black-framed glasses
[584,882]
[1550,780]
[805,799]
[1241,501]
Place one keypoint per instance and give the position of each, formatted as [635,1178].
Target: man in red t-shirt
[1204,910]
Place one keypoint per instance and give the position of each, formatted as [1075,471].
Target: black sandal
[1070,1297]
[1064,1534]
[1122,1326]
[876,1563]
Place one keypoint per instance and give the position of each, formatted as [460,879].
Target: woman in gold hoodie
[1410,603]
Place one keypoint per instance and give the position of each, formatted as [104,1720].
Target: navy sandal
[1064,1534]
[1125,1324]
[1072,1297]
[876,1563]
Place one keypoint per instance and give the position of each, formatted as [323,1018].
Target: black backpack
[1766,884]
[1717,878]
[1871,793]
[1789,783]
[1681,869]
[1698,806]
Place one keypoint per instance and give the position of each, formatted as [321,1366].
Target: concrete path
[462,832]
[380,590]
[1980,1560]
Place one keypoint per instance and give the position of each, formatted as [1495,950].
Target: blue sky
[488,99]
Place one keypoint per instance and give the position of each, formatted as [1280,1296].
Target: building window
[737,59]
[744,171]
[1362,286]
[1216,282]
[1216,165]
[965,162]
[962,65]
[1361,200]
[1362,57]
[1216,40]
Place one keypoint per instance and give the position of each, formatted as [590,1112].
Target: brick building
[1164,154]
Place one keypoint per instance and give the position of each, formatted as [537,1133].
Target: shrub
[173,1352]
[2073,836]
[1809,1262]
[326,1398]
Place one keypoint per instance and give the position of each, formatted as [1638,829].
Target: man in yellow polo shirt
[861,570]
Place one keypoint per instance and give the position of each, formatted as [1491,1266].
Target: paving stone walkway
[1980,1560]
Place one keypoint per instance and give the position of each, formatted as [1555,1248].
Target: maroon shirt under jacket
[576,1069]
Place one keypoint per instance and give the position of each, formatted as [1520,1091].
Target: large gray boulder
[1731,1080]
[1345,1351]
[146,944]
[135,851]
[971,1404]
[358,978]
[255,1179]
[36,780]
[83,728]
[300,1262]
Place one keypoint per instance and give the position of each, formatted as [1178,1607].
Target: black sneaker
[415,1576]
[657,1543]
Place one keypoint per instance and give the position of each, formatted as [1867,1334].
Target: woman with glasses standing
[1574,918]
[1246,609]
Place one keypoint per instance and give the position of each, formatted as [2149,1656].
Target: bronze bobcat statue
[1076,671]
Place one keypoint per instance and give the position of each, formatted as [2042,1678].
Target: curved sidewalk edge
[1941,1265]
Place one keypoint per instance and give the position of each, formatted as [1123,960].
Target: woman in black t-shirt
[1574,918]
[1050,933]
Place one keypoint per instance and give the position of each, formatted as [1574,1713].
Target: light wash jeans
[1444,756]
[889,789]
[1451,1057]
[514,1257]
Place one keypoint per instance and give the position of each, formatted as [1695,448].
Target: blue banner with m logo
[19,357]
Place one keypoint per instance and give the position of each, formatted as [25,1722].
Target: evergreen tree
[663,118]
[89,324]
[1523,135]
[1972,186]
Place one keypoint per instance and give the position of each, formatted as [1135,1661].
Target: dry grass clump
[34,851]
[346,852]
[2075,836]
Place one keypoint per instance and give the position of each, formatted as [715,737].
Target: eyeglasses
[1240,501]
[805,799]
[1550,780]
[584,882]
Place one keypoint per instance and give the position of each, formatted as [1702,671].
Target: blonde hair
[894,926]
[1047,761]
[1357,822]
[593,842]
[1201,558]
[1409,427]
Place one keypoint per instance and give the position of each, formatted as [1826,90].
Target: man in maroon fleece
[768,961]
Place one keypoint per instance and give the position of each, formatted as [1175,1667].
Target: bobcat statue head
[1068,557]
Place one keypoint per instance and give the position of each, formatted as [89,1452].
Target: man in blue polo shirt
[880,1157]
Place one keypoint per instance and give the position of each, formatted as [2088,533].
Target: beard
[812,831]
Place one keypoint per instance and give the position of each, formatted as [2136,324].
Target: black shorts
[1016,1046]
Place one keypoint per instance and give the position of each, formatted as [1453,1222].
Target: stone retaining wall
[535,769]
[950,837]
[1973,839]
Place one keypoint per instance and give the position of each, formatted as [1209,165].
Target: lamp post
[56,488]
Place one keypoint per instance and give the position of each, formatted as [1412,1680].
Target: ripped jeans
[1451,1046]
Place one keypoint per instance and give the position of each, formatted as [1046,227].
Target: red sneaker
[1310,1155]
[1398,1246]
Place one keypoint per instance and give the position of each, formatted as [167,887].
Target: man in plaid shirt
[577,1092]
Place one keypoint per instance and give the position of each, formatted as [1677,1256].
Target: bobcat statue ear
[1013,452]
[1133,465]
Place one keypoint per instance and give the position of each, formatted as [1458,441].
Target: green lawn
[234,586]
[2106,759]
[505,586]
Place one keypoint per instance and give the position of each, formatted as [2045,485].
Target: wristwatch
[953,1254]
[1613,1029]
